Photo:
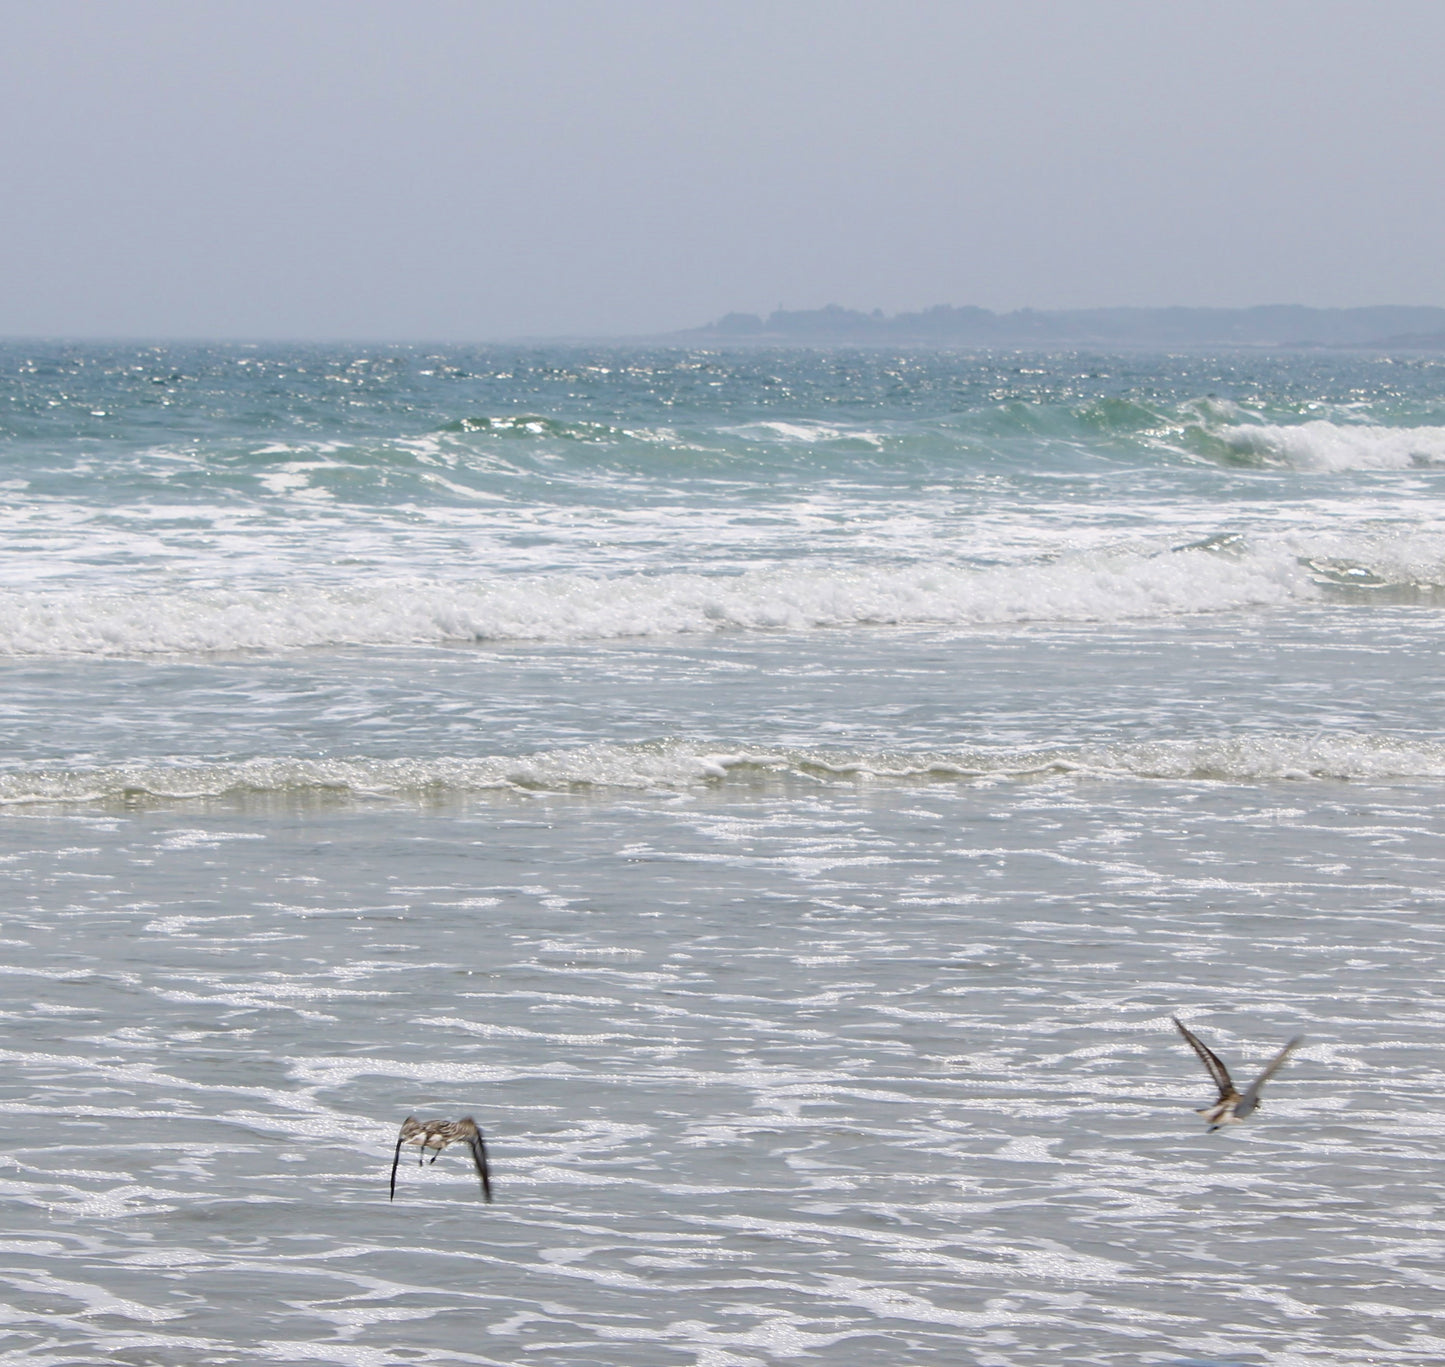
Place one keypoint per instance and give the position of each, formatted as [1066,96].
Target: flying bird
[1231,1106]
[436,1135]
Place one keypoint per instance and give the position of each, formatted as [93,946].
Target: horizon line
[714,329]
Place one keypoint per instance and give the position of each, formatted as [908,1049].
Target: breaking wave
[1219,574]
[567,607]
[673,766]
[1324,446]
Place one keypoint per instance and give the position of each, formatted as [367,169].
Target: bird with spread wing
[436,1135]
[1232,1106]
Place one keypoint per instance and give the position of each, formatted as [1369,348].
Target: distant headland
[1269,326]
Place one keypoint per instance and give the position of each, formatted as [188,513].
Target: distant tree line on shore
[1269,325]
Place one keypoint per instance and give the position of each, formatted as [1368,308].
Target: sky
[470,170]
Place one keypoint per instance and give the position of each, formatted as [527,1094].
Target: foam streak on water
[782,796]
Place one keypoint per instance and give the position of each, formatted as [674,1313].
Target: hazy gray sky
[468,169]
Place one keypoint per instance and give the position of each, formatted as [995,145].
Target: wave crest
[1113,587]
[673,766]
[1324,446]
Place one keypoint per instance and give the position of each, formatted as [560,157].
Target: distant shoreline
[1270,326]
[1267,327]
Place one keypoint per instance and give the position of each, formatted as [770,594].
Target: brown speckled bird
[436,1135]
[1231,1106]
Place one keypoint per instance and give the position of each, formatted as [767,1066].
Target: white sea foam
[1323,445]
[802,433]
[1100,587]
[679,765]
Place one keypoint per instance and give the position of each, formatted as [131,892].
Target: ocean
[783,796]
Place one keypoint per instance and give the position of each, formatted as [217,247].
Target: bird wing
[408,1128]
[478,1145]
[1209,1059]
[1250,1099]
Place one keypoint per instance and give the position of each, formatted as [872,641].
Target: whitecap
[1323,445]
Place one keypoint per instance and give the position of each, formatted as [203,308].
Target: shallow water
[782,798]
[764,1077]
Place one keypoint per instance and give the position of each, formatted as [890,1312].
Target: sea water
[782,796]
